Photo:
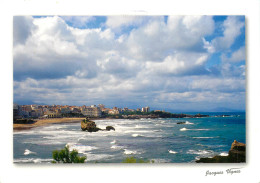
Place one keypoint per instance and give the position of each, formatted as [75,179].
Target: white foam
[189,123]
[92,157]
[184,129]
[80,148]
[32,160]
[117,147]
[113,142]
[136,135]
[27,152]
[223,154]
[172,152]
[126,151]
[199,152]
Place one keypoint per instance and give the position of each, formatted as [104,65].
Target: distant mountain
[218,109]
[223,109]
[26,102]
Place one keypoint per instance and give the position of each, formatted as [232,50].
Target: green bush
[134,160]
[65,156]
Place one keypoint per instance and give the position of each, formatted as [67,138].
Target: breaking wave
[172,152]
[27,152]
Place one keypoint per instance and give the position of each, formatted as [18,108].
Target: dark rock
[23,121]
[182,122]
[90,126]
[108,128]
[200,115]
[237,154]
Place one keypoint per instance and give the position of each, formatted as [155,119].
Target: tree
[65,156]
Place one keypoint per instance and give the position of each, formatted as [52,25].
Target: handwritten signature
[229,171]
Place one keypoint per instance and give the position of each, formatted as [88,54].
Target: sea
[159,140]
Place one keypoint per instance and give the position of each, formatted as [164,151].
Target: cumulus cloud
[232,29]
[22,28]
[117,23]
[78,21]
[158,39]
[131,59]
[236,56]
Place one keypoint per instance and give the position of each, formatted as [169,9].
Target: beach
[43,122]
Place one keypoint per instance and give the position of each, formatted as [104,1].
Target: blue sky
[175,63]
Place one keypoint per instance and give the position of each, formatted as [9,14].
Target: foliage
[134,160]
[65,156]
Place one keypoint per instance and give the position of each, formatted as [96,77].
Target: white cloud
[232,29]
[236,56]
[78,21]
[156,62]
[22,28]
[158,39]
[181,63]
[117,22]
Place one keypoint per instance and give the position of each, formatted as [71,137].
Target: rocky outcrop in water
[108,128]
[90,126]
[237,154]
[182,122]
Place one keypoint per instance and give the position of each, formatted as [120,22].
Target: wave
[183,129]
[127,151]
[32,160]
[223,154]
[80,148]
[27,152]
[95,157]
[136,135]
[172,152]
[116,147]
[200,152]
[113,142]
[203,129]
[188,123]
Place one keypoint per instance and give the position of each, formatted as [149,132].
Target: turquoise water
[161,140]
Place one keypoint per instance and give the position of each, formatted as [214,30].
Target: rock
[237,154]
[108,128]
[182,122]
[90,126]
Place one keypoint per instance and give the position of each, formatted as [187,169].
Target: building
[16,111]
[91,111]
[146,109]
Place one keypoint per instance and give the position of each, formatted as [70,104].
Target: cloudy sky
[175,63]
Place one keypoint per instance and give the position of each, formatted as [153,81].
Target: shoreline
[49,121]
[44,122]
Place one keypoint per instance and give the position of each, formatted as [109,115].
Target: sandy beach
[42,122]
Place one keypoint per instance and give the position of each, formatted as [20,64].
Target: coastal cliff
[236,154]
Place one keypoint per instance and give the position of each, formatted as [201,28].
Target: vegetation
[134,160]
[65,156]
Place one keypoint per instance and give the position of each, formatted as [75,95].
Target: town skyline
[174,63]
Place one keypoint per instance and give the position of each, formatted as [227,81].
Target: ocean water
[161,140]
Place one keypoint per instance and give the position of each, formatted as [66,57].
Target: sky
[172,63]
